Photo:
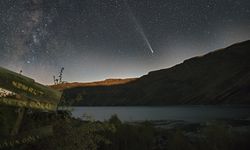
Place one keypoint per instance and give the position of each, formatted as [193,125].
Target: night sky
[99,39]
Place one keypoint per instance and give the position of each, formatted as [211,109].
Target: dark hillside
[219,77]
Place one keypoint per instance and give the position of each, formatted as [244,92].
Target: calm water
[186,113]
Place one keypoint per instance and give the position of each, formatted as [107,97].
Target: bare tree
[60,77]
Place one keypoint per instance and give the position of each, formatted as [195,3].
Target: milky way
[98,39]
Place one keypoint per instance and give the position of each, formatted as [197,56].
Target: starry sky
[99,39]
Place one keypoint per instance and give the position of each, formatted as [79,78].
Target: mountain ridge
[219,77]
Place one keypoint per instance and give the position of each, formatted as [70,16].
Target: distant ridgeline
[18,94]
[219,77]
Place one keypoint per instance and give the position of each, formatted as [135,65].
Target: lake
[195,113]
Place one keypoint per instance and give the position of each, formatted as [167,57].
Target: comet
[138,26]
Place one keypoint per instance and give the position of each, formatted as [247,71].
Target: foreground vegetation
[77,134]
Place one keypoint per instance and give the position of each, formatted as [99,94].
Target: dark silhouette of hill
[219,77]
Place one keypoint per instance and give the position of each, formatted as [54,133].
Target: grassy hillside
[219,77]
